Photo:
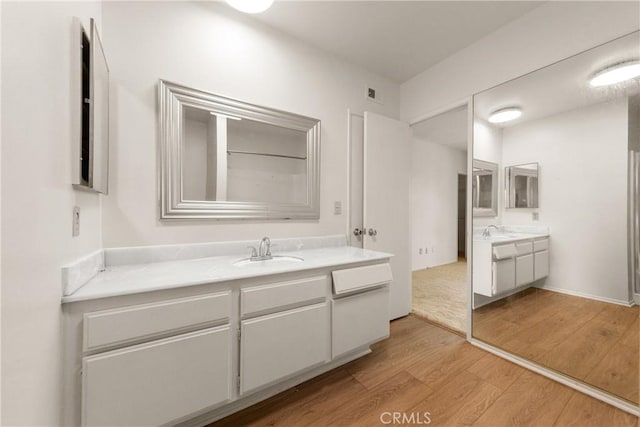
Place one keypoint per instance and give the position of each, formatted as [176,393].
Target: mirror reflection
[554,283]
[227,158]
[521,186]
[484,188]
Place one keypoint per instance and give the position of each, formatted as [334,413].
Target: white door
[387,179]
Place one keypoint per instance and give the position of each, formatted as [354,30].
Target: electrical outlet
[433,249]
[76,221]
[426,250]
[420,251]
[337,207]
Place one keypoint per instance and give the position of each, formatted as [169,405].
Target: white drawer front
[524,269]
[359,320]
[279,345]
[123,325]
[504,251]
[541,265]
[524,248]
[261,299]
[504,276]
[158,382]
[540,245]
[358,278]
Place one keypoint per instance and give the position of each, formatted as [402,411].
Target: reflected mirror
[556,286]
[224,158]
[485,188]
[521,186]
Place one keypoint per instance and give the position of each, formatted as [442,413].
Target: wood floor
[592,341]
[422,368]
[440,294]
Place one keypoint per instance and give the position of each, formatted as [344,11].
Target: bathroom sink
[275,259]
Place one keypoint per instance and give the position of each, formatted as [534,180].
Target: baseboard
[636,299]
[588,296]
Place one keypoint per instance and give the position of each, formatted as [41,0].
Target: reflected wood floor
[593,341]
[423,368]
[440,294]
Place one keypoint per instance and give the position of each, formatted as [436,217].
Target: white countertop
[508,238]
[137,278]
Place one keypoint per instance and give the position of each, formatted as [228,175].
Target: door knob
[373,232]
[357,232]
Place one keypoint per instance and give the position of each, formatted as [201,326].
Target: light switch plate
[337,207]
[76,221]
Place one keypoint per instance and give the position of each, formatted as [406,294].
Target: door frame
[468,102]
[347,211]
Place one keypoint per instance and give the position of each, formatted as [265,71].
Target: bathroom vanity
[193,340]
[504,262]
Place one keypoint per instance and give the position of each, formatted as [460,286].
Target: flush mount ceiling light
[616,74]
[250,6]
[505,115]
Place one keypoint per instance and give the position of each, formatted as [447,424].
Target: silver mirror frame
[172,99]
[493,167]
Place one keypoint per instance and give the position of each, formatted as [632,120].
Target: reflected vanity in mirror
[224,158]
[521,186]
[93,96]
[485,188]
[557,291]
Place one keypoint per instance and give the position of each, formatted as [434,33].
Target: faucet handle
[254,251]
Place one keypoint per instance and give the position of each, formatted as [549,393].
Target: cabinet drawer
[504,276]
[541,265]
[524,248]
[280,345]
[359,320]
[128,324]
[359,278]
[524,269]
[504,251]
[540,245]
[158,382]
[261,299]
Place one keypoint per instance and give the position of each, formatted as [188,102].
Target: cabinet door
[504,275]
[541,264]
[279,345]
[158,382]
[524,269]
[359,320]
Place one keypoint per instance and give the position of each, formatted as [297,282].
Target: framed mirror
[93,156]
[485,188]
[227,159]
[521,186]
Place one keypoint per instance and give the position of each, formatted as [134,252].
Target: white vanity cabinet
[500,266]
[157,380]
[185,358]
[287,340]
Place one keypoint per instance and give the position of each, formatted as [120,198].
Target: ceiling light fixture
[505,115]
[250,6]
[616,74]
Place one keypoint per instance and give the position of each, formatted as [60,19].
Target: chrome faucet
[487,231]
[263,253]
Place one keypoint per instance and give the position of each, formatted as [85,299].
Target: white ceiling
[396,39]
[448,128]
[563,86]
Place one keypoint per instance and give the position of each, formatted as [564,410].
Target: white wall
[208,46]
[37,202]
[549,33]
[583,195]
[434,202]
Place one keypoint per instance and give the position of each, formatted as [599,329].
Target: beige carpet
[440,295]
